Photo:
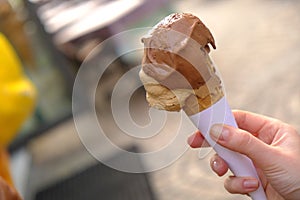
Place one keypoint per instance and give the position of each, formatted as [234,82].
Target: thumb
[243,142]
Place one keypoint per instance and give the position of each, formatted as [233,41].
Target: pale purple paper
[240,165]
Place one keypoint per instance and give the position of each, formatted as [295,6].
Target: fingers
[197,140]
[218,165]
[233,184]
[243,142]
[250,122]
[263,127]
[241,185]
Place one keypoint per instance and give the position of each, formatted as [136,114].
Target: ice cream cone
[177,73]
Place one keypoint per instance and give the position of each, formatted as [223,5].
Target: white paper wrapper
[240,165]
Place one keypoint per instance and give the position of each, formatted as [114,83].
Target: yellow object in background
[17,93]
[17,102]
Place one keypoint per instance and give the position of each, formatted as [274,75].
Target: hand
[273,146]
[7,192]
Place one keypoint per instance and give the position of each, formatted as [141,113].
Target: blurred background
[257,55]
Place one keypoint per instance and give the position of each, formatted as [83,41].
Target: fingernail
[216,166]
[190,139]
[250,183]
[194,140]
[219,132]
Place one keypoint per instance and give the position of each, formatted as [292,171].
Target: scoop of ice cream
[176,70]
[172,49]
[191,100]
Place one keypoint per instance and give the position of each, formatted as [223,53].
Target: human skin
[273,146]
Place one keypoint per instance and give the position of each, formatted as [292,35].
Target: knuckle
[234,185]
[244,139]
[229,185]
